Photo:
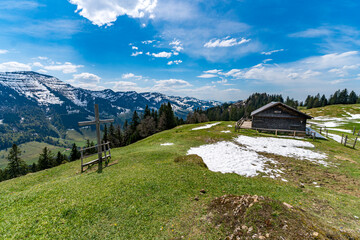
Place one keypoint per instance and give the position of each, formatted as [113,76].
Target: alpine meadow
[154,119]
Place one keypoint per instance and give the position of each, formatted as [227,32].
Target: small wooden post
[355,143]
[354,131]
[346,137]
[82,157]
[294,133]
[276,132]
[342,137]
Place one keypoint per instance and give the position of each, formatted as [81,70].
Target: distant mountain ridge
[47,91]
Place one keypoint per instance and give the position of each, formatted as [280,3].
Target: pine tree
[105,137]
[75,153]
[46,159]
[147,112]
[352,98]
[119,136]
[16,166]
[135,121]
[59,158]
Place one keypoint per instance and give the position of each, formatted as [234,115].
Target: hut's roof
[273,104]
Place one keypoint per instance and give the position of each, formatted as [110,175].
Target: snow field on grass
[166,144]
[334,137]
[227,157]
[230,126]
[206,126]
[282,147]
[227,131]
[341,130]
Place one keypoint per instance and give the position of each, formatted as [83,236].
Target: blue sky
[218,50]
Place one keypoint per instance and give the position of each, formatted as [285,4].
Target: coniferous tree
[352,97]
[59,158]
[106,136]
[16,166]
[119,136]
[46,159]
[135,121]
[75,153]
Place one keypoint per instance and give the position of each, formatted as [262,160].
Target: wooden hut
[279,116]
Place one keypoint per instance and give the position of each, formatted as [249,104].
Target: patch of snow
[1,121]
[166,144]
[227,157]
[284,147]
[284,180]
[353,116]
[206,126]
[230,126]
[227,131]
[341,130]
[334,137]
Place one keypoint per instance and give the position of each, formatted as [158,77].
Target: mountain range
[44,105]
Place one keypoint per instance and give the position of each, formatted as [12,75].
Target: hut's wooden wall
[279,118]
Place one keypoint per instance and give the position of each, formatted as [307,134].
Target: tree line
[47,159]
[339,97]
[141,126]
[235,111]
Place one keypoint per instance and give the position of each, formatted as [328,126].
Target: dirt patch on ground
[257,217]
[192,158]
[305,173]
[345,159]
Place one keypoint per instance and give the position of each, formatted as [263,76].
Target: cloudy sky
[220,50]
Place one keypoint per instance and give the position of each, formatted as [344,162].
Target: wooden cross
[97,122]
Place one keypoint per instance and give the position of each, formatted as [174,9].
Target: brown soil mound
[257,217]
[192,158]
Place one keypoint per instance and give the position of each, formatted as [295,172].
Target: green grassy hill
[30,151]
[145,194]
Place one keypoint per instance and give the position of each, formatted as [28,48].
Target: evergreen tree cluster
[339,97]
[233,112]
[17,167]
[147,124]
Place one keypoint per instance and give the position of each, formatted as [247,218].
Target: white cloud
[174,62]
[43,58]
[273,51]
[177,46]
[164,85]
[207,75]
[313,32]
[213,71]
[3,51]
[37,64]
[131,76]
[136,54]
[87,78]
[134,47]
[14,66]
[148,42]
[309,71]
[105,12]
[67,67]
[162,54]
[225,42]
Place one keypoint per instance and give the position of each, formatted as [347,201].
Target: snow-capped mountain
[54,96]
